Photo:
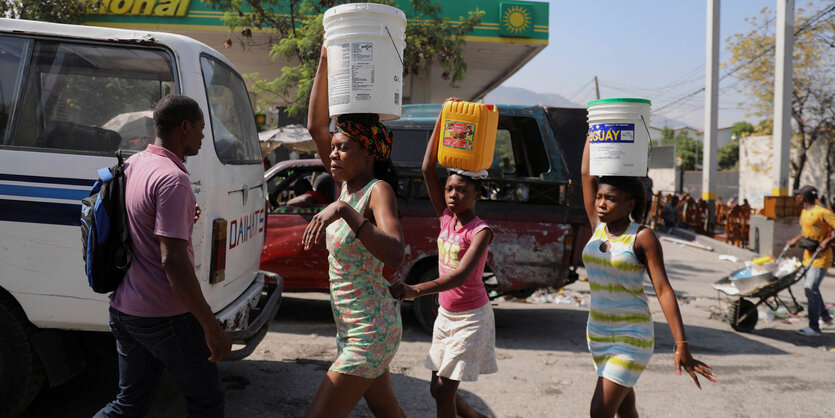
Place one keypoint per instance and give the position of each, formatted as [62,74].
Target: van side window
[92,98]
[233,126]
[11,51]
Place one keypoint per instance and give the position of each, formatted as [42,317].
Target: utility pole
[709,153]
[596,89]
[783,97]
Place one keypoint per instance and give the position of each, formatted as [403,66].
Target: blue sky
[639,48]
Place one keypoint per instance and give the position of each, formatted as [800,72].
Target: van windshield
[92,98]
[233,124]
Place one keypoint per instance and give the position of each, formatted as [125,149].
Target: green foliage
[728,155]
[668,137]
[298,24]
[60,11]
[765,127]
[688,149]
[741,129]
[813,82]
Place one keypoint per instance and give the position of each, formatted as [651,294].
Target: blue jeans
[147,345]
[817,309]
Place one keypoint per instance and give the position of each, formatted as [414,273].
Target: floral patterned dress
[368,325]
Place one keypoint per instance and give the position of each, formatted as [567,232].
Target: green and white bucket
[619,137]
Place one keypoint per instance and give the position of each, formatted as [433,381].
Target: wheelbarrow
[743,313]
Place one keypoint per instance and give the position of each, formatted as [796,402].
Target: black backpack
[105,237]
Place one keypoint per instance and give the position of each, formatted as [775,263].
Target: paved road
[544,366]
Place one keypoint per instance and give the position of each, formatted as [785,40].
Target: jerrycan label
[612,132]
[459,135]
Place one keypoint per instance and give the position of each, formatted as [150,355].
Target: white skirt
[463,344]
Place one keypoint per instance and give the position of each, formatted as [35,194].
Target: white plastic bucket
[365,44]
[619,137]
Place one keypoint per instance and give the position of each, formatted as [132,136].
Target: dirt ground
[545,369]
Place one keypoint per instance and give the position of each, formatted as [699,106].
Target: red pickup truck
[534,205]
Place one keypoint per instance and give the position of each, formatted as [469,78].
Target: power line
[768,50]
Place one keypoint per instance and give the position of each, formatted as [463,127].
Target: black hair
[383,170]
[477,183]
[633,187]
[172,110]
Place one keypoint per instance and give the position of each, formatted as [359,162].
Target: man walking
[816,226]
[158,314]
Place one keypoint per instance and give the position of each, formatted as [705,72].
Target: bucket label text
[459,135]
[612,132]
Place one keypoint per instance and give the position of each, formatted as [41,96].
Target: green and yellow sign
[516,19]
[145,7]
[518,22]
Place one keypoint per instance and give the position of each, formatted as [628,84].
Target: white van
[70,96]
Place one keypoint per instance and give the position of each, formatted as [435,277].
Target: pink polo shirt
[452,245]
[159,202]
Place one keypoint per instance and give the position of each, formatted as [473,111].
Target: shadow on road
[536,327]
[286,388]
[254,388]
[791,337]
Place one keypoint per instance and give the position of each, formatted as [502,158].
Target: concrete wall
[664,179]
[756,162]
[755,165]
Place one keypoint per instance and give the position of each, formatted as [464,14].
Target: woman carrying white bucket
[620,331]
[362,232]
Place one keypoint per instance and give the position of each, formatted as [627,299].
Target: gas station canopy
[509,35]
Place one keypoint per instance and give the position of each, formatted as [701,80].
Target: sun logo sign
[517,20]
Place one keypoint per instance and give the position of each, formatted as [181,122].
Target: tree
[298,26]
[688,149]
[60,11]
[741,129]
[813,86]
[668,136]
[728,156]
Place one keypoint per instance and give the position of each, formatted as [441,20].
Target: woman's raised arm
[430,175]
[317,111]
[589,188]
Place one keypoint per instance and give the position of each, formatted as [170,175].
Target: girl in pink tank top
[464,337]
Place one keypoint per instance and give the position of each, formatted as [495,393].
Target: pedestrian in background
[158,314]
[363,233]
[816,233]
[464,335]
[620,331]
[669,213]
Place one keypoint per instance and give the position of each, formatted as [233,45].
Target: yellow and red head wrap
[373,136]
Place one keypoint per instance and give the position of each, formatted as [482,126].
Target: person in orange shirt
[816,232]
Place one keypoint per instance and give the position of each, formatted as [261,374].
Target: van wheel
[21,372]
[426,307]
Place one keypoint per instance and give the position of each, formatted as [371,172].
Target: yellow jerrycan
[468,135]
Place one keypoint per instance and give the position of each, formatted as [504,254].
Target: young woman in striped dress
[620,331]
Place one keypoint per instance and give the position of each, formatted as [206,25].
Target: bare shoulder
[646,238]
[382,190]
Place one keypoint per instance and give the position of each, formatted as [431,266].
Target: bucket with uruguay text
[619,137]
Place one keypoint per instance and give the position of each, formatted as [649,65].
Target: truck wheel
[21,372]
[426,307]
[743,315]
